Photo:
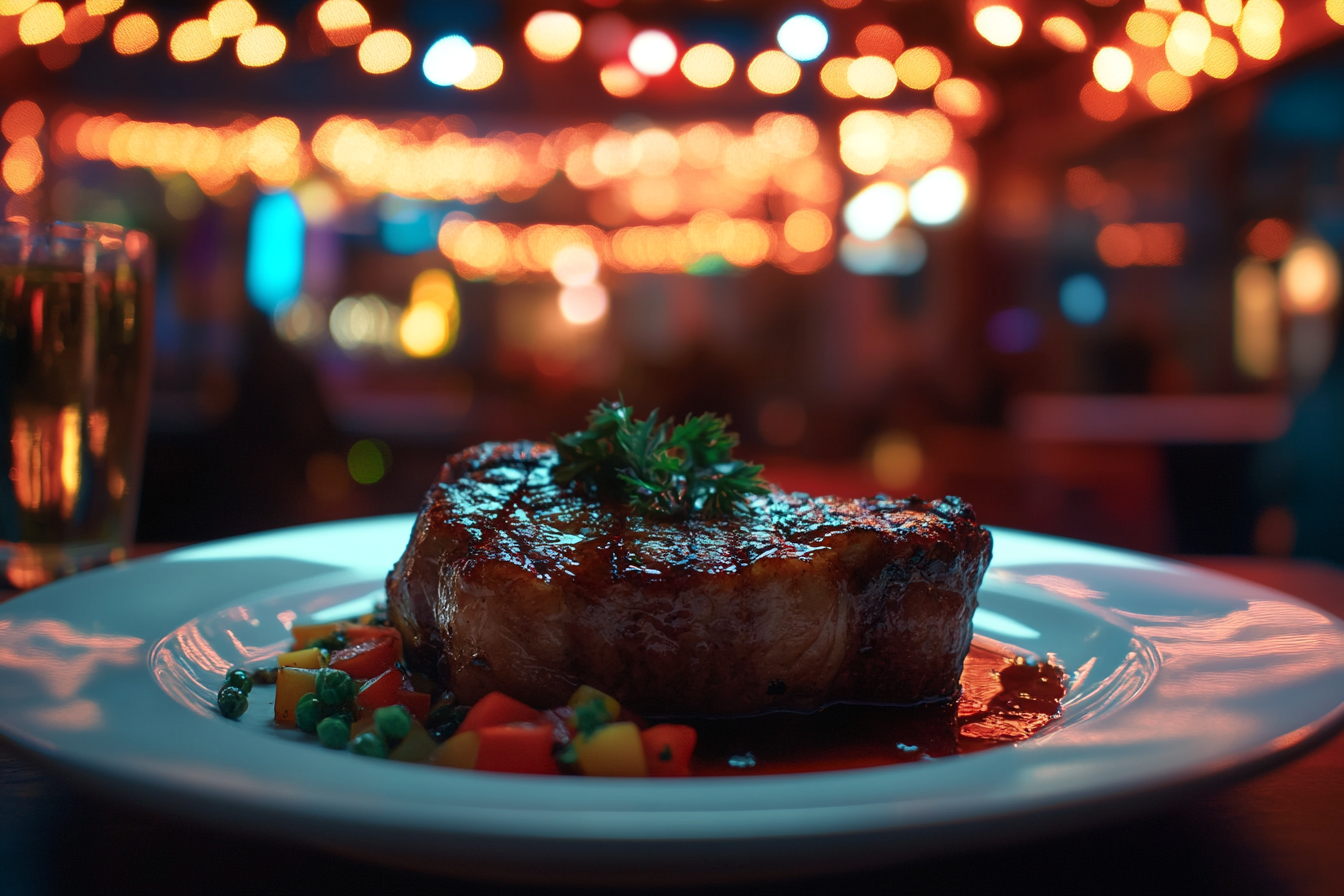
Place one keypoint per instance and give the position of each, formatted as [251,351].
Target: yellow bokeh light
[424,330]
[40,23]
[552,35]
[835,77]
[1113,68]
[619,78]
[658,152]
[702,145]
[897,460]
[999,25]
[654,198]
[22,119]
[230,18]
[1333,8]
[134,34]
[384,51]
[707,65]
[1187,42]
[21,168]
[1169,91]
[872,77]
[1309,278]
[583,305]
[1147,29]
[807,230]
[918,68]
[1220,59]
[103,7]
[1064,33]
[80,27]
[260,46]
[1258,29]
[1255,318]
[193,41]
[489,68]
[957,96]
[1225,12]
[345,22]
[774,72]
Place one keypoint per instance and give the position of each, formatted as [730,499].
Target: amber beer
[75,341]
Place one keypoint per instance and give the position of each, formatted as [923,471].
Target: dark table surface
[1279,832]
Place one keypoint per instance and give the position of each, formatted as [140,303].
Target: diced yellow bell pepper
[415,746]
[310,658]
[586,695]
[307,634]
[458,751]
[291,683]
[361,725]
[612,751]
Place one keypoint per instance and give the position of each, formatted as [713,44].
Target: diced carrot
[367,660]
[458,751]
[522,748]
[291,683]
[417,702]
[307,634]
[497,709]
[380,691]
[668,749]
[358,634]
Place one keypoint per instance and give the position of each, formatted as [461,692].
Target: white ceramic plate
[1179,676]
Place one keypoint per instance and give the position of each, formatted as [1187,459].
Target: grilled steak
[513,582]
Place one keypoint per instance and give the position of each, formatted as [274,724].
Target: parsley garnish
[687,472]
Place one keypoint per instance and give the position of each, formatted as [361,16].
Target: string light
[134,34]
[384,51]
[260,46]
[40,23]
[230,18]
[707,65]
[344,22]
[552,36]
[193,41]
[774,72]
[999,25]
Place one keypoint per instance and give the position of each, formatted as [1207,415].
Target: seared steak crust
[515,583]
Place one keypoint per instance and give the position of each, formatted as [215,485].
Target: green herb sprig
[660,469]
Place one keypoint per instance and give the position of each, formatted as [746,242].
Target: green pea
[334,687]
[392,722]
[370,743]
[239,679]
[309,712]
[232,702]
[334,732]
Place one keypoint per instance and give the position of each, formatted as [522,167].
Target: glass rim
[106,236]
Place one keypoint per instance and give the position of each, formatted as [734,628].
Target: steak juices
[517,581]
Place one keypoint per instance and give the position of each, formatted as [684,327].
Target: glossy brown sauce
[1004,699]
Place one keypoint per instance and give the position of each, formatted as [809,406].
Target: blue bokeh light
[449,60]
[274,269]
[1082,299]
[408,226]
[803,37]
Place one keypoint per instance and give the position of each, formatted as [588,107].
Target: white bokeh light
[575,265]
[652,53]
[449,60]
[938,197]
[803,37]
[875,210]
[583,305]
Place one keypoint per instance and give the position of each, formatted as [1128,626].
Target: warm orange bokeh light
[134,34]
[879,40]
[999,25]
[918,68]
[40,23]
[384,51]
[872,77]
[1084,186]
[1258,29]
[957,96]
[193,41]
[80,27]
[1147,28]
[707,65]
[807,230]
[1113,68]
[103,7]
[552,35]
[1169,91]
[1270,238]
[21,168]
[774,72]
[230,18]
[1102,104]
[1064,33]
[1220,59]
[1122,245]
[260,46]
[620,79]
[835,77]
[489,68]
[344,22]
[22,119]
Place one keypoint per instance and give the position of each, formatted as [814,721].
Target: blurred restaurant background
[1074,261]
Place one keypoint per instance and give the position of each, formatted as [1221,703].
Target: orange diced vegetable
[497,709]
[368,659]
[358,634]
[381,690]
[417,702]
[667,750]
[458,751]
[307,634]
[309,658]
[611,751]
[522,747]
[291,683]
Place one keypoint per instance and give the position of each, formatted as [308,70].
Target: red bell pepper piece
[416,701]
[380,691]
[369,659]
[359,634]
[497,709]
[521,748]
[667,750]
